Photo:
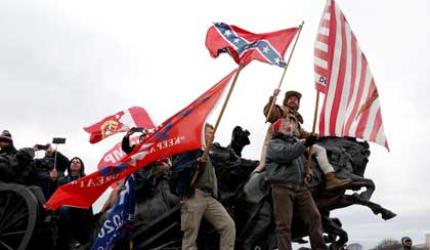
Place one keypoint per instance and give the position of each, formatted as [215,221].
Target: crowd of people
[49,172]
[282,159]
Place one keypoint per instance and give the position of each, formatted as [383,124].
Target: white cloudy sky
[66,64]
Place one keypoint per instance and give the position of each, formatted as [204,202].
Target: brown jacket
[279,112]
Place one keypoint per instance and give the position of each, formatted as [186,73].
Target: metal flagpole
[272,104]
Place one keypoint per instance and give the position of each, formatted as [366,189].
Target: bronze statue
[245,196]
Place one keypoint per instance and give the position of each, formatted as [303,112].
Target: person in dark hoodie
[15,165]
[75,224]
[407,243]
[284,169]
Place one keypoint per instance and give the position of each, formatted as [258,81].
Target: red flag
[351,104]
[119,122]
[245,46]
[115,154]
[180,133]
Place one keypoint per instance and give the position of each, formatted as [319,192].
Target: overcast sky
[67,64]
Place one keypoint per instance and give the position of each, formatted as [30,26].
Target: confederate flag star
[228,33]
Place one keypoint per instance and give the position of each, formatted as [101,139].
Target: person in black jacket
[49,168]
[147,177]
[75,224]
[285,172]
[15,165]
[125,145]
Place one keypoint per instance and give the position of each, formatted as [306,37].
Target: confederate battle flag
[119,122]
[180,133]
[245,46]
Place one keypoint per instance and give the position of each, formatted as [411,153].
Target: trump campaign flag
[180,133]
[245,46]
[114,155]
[119,122]
[119,218]
[351,103]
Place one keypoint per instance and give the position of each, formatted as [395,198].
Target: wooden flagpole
[209,143]
[241,66]
[272,104]
[308,163]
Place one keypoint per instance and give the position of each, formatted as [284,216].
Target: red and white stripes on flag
[351,105]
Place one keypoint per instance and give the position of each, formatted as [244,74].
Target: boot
[331,181]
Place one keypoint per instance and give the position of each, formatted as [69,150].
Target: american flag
[351,104]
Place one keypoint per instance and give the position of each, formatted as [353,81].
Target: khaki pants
[202,204]
[321,155]
[285,203]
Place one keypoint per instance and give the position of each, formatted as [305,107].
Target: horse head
[239,139]
[232,170]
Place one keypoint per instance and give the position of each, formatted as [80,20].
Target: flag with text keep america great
[180,133]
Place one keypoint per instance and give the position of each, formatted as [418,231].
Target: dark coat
[16,165]
[285,161]
[125,145]
[69,178]
[182,171]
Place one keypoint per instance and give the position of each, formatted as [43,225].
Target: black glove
[310,140]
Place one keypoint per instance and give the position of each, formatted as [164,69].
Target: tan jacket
[279,112]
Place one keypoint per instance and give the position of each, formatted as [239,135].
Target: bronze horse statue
[247,197]
[349,158]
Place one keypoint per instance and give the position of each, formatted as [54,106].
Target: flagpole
[272,103]
[308,163]
[209,143]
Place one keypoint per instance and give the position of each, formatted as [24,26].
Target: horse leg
[376,208]
[333,227]
[256,228]
[358,182]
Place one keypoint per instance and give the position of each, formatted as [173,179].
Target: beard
[293,106]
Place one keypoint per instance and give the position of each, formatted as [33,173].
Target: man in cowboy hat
[291,105]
